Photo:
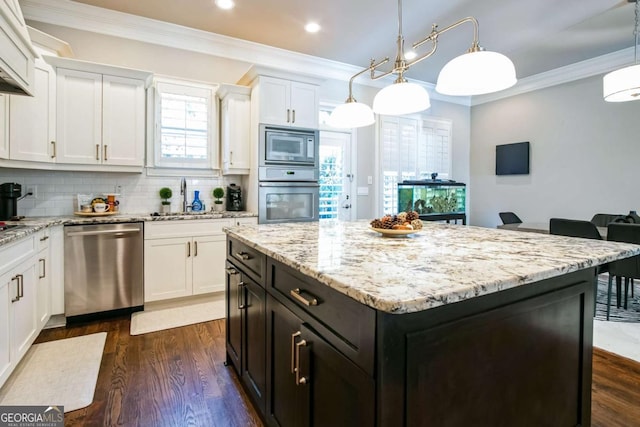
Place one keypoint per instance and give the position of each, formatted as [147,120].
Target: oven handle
[289,184]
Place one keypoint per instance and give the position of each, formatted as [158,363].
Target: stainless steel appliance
[103,268]
[288,202]
[288,146]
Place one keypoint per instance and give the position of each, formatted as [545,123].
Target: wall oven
[288,146]
[288,202]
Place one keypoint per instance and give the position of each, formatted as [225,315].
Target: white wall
[584,155]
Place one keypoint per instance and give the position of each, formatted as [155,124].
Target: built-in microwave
[288,146]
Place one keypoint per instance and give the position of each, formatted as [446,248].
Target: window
[411,148]
[185,125]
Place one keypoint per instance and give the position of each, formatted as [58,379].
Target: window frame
[419,122]
[156,164]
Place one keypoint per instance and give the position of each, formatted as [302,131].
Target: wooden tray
[94,213]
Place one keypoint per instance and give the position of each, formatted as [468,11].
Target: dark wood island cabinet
[312,351]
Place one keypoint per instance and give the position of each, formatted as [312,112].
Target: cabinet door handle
[53,143]
[293,347]
[231,158]
[195,248]
[44,268]
[240,292]
[232,271]
[297,294]
[21,281]
[243,256]
[288,115]
[104,149]
[299,379]
[293,114]
[188,249]
[97,151]
[17,288]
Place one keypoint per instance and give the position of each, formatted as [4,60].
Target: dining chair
[629,268]
[509,218]
[584,229]
[574,228]
[602,220]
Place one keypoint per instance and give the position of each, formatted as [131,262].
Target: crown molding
[85,17]
[569,73]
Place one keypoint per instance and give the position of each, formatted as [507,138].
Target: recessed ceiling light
[225,4]
[312,27]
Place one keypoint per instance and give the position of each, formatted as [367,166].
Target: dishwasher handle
[101,232]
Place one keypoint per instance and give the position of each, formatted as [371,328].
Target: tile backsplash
[57,191]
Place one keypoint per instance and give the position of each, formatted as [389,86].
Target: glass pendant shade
[622,85]
[351,115]
[476,73]
[401,98]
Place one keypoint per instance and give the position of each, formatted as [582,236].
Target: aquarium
[440,199]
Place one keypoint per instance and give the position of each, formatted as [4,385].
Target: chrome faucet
[183,193]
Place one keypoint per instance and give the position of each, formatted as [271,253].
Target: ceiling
[538,35]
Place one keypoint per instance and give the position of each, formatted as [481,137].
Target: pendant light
[624,84]
[475,72]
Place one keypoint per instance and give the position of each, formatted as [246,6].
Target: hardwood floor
[168,378]
[177,378]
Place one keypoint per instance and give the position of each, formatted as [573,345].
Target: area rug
[631,314]
[143,322]
[62,373]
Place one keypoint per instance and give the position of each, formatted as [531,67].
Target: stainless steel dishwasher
[103,268]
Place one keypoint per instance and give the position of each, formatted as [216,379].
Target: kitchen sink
[182,213]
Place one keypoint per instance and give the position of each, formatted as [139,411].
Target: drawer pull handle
[241,305]
[17,298]
[243,256]
[293,347]
[297,294]
[232,271]
[42,239]
[299,379]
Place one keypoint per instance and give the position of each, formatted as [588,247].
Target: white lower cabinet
[19,326]
[183,258]
[26,277]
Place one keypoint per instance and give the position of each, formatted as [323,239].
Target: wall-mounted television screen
[512,159]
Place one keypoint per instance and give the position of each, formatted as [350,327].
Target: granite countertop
[34,224]
[442,264]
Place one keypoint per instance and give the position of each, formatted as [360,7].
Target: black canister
[234,198]
[10,192]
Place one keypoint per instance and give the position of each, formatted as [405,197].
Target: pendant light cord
[635,32]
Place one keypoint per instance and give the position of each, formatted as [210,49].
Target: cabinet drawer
[15,253]
[182,228]
[252,260]
[352,323]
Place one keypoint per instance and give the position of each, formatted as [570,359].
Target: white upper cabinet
[100,115]
[288,103]
[235,129]
[32,120]
[100,119]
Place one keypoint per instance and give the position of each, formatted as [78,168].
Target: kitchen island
[453,325]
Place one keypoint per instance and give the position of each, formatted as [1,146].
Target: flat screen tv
[512,159]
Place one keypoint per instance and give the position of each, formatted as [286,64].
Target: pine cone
[412,215]
[376,223]
[417,224]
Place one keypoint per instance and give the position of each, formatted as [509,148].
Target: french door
[336,177]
